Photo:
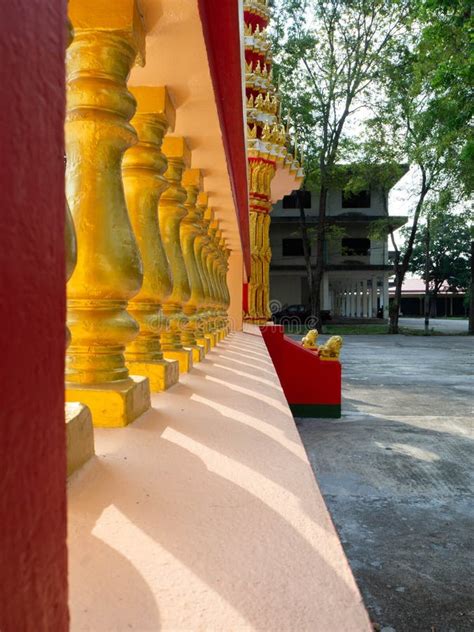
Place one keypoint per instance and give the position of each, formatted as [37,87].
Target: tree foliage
[445,68]
[449,240]
[379,83]
[416,117]
[328,54]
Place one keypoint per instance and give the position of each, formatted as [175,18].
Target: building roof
[416,285]
[396,221]
[372,174]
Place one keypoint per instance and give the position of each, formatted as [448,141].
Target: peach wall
[204,514]
[176,57]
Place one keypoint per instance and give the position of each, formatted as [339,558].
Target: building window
[356,200]
[354,246]
[292,247]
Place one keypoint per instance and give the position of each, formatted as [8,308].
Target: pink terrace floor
[204,514]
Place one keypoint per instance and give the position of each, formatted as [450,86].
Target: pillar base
[79,436]
[113,405]
[162,374]
[198,353]
[205,343]
[212,337]
[316,411]
[184,357]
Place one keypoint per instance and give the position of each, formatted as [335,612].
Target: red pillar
[33,561]
[221,28]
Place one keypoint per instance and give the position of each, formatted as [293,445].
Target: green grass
[364,330]
[367,330]
[435,318]
[341,329]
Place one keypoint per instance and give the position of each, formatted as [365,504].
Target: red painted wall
[221,28]
[305,378]
[33,562]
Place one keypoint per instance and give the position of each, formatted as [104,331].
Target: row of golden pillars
[147,261]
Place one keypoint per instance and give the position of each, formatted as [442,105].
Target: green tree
[442,249]
[407,120]
[446,68]
[447,61]
[329,55]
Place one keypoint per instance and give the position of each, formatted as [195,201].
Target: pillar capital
[203,199]
[214,226]
[155,101]
[209,216]
[193,178]
[176,147]
[124,18]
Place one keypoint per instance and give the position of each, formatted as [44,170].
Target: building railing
[147,289]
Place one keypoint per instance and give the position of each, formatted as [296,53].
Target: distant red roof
[416,286]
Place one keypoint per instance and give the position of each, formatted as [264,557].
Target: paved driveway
[442,325]
[396,472]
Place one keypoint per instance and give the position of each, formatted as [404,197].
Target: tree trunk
[394,307]
[306,251]
[471,292]
[402,268]
[319,267]
[427,279]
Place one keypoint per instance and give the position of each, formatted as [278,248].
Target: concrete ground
[441,325]
[396,472]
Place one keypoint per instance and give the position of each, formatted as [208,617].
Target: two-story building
[357,266]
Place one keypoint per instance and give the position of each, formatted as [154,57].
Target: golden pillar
[266,257]
[189,230]
[210,262]
[171,211]
[259,286]
[203,337]
[219,264]
[71,254]
[216,235]
[143,167]
[109,268]
[79,430]
[203,251]
[261,174]
[225,253]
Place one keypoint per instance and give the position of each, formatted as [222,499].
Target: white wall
[334,205]
[278,232]
[285,287]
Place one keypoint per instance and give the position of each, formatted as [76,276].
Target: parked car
[298,315]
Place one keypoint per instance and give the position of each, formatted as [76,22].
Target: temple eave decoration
[269,156]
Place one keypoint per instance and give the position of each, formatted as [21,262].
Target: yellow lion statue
[311,339]
[331,349]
